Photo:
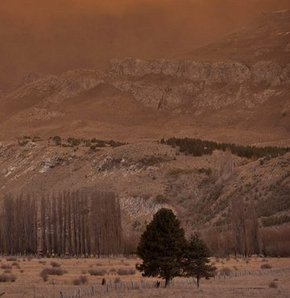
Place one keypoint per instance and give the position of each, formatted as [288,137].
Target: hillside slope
[148,175]
[223,96]
[51,129]
[267,38]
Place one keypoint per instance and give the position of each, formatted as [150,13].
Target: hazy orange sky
[57,35]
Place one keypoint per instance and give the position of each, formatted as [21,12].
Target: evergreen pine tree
[196,261]
[161,247]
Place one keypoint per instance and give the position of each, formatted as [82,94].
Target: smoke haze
[57,35]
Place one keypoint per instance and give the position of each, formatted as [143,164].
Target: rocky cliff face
[167,84]
[237,85]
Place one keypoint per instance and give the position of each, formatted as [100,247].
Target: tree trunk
[197,281]
[167,282]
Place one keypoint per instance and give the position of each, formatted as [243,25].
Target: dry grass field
[254,277]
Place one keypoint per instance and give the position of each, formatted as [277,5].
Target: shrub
[36,139]
[225,271]
[7,271]
[273,285]
[6,267]
[15,264]
[55,264]
[11,259]
[42,262]
[113,271]
[126,271]
[207,171]
[23,142]
[7,278]
[82,280]
[57,140]
[266,266]
[160,199]
[97,272]
[51,271]
[74,141]
[117,280]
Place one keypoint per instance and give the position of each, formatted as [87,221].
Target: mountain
[227,95]
[265,39]
[59,35]
[103,129]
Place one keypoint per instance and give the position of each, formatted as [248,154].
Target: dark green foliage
[161,247]
[197,147]
[196,260]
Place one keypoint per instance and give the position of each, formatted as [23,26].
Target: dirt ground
[235,278]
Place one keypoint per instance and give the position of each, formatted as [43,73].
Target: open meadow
[117,277]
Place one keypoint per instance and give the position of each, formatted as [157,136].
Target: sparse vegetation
[97,272]
[7,278]
[55,264]
[273,285]
[82,280]
[6,267]
[126,271]
[275,220]
[226,271]
[266,266]
[44,274]
[160,199]
[57,140]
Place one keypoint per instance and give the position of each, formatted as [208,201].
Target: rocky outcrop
[179,85]
[173,84]
[57,88]
[211,73]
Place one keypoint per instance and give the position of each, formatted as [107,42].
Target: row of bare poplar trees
[241,235]
[79,223]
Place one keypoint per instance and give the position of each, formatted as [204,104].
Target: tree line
[74,223]
[198,147]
